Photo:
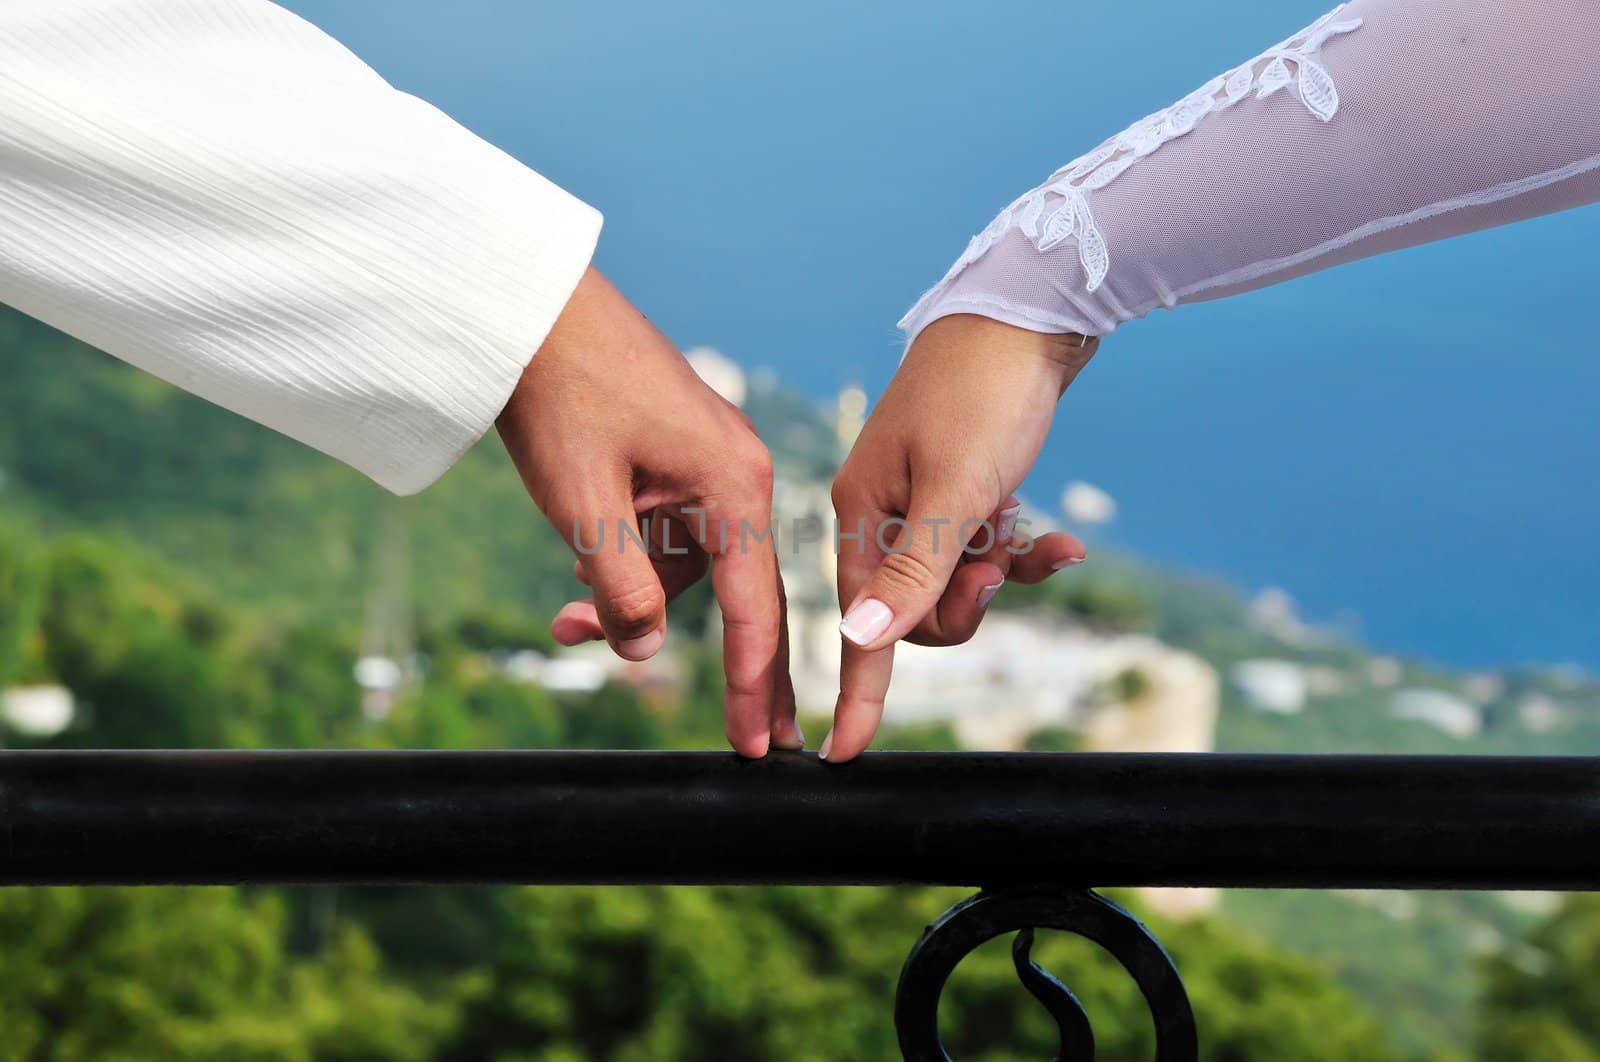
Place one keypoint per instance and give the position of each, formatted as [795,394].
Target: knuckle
[942,636]
[756,460]
[634,610]
[910,573]
[844,491]
[740,467]
[959,635]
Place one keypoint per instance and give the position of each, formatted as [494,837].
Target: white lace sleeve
[1384,124]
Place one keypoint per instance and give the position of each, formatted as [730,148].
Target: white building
[1272,685]
[37,711]
[1439,709]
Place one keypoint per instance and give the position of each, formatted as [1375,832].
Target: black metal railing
[1033,832]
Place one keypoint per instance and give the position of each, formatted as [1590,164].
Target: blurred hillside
[190,579]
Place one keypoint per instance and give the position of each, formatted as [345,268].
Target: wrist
[1036,359]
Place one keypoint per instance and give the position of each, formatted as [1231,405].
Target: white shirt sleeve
[221,194]
[1384,124]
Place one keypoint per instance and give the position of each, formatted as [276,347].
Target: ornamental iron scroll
[977,919]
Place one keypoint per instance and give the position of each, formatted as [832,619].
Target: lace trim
[1058,210]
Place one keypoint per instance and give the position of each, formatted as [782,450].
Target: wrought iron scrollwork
[990,914]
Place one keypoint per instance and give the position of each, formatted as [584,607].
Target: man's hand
[650,477]
[930,483]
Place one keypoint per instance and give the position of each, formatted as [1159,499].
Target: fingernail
[1008,523]
[1067,562]
[827,746]
[642,648]
[986,595]
[865,621]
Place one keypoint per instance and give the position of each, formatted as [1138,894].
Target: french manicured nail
[827,746]
[1008,523]
[642,648]
[986,595]
[1067,562]
[865,621]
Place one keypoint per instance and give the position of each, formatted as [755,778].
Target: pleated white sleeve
[1386,123]
[223,195]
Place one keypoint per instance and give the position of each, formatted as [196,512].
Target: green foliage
[612,717]
[1542,1000]
[1412,963]
[1055,739]
[1128,686]
[1259,1003]
[141,664]
[90,974]
[1107,601]
[21,586]
[914,737]
[502,629]
[517,715]
[291,687]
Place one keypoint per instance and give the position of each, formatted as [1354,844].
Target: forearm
[1401,122]
[219,193]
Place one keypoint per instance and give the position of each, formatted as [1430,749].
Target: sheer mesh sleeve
[1386,123]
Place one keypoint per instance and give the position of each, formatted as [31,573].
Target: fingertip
[576,624]
[1006,520]
[853,729]
[642,648]
[866,622]
[747,720]
[1050,553]
[569,636]
[786,732]
[987,591]
[750,746]
[833,752]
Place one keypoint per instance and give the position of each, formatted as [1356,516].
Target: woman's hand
[930,483]
[620,443]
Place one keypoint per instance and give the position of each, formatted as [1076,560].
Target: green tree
[612,717]
[201,974]
[21,586]
[1541,998]
[145,667]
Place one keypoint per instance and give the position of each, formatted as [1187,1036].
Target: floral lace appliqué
[1058,210]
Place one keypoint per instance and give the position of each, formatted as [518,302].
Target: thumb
[628,597]
[920,553]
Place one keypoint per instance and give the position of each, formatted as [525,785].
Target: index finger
[863,675]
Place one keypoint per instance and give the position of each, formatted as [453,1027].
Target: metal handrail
[1033,831]
[82,817]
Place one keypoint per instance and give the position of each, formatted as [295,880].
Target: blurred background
[1343,514]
